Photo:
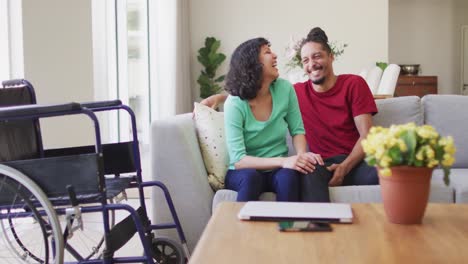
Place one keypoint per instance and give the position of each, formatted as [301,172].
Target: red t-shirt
[329,116]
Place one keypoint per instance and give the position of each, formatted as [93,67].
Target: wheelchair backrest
[19,139]
[21,149]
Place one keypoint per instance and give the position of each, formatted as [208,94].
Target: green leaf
[210,90]
[217,88]
[409,137]
[209,57]
[215,46]
[381,65]
[220,78]
[418,163]
[395,155]
[203,60]
[204,80]
[219,59]
[446,175]
[209,42]
[371,161]
[210,72]
[439,152]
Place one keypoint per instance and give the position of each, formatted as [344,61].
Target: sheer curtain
[141,56]
[4,42]
[11,40]
[169,58]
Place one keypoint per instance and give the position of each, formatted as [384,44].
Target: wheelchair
[60,205]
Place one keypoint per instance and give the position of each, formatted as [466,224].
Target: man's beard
[319,81]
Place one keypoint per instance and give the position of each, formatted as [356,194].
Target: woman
[258,111]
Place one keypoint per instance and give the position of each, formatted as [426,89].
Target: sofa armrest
[177,162]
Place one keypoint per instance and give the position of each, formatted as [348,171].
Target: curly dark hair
[317,35]
[245,70]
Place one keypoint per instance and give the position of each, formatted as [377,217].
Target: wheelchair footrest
[122,232]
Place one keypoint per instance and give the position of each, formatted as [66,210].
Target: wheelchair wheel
[167,251]
[89,243]
[28,223]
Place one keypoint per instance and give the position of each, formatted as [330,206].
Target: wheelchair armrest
[93,105]
[37,110]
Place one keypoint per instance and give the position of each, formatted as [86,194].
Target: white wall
[363,24]
[428,32]
[58,61]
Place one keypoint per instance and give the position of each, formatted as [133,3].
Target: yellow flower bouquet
[410,145]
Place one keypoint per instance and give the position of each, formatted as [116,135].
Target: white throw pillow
[209,125]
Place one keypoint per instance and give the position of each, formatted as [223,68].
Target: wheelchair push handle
[100,104]
[15,82]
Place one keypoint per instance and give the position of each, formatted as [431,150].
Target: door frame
[462,46]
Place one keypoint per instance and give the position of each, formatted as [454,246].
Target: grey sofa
[177,161]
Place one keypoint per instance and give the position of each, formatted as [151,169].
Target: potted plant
[405,156]
[209,57]
[382,65]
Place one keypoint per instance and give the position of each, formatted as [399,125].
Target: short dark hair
[317,35]
[245,70]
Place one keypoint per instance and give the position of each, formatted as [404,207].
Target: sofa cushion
[231,196]
[209,125]
[458,181]
[398,110]
[224,195]
[447,114]
[371,194]
[355,194]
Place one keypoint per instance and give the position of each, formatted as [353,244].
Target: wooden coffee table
[442,238]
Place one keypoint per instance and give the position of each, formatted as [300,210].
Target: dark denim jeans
[250,183]
[315,185]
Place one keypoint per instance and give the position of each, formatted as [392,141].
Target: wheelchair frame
[75,193]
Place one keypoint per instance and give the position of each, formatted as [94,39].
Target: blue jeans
[315,184]
[250,183]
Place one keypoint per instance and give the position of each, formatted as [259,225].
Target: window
[11,40]
[121,67]
[141,56]
[121,63]
[138,65]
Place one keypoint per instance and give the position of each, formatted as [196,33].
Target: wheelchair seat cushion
[114,186]
[117,185]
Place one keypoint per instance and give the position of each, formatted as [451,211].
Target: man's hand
[212,101]
[304,162]
[339,172]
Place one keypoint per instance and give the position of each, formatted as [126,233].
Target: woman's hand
[304,162]
[315,158]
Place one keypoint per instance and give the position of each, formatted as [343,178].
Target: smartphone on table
[303,226]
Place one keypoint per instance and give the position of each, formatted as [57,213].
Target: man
[337,114]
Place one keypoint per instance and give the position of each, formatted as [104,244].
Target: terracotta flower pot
[405,194]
